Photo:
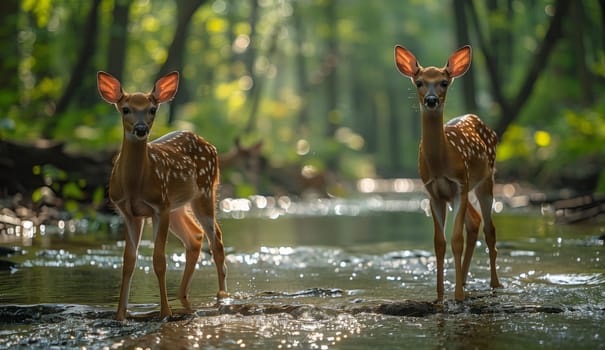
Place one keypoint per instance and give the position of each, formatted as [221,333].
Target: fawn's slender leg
[218,254]
[190,233]
[472,222]
[485,195]
[160,230]
[134,230]
[458,242]
[438,214]
[204,211]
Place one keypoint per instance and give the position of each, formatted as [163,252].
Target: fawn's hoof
[165,314]
[121,315]
[496,285]
[222,294]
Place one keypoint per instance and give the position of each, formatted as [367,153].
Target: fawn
[453,159]
[164,179]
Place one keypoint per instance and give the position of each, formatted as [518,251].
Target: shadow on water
[323,274]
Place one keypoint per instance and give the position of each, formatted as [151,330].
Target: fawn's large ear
[165,88]
[109,87]
[406,62]
[459,62]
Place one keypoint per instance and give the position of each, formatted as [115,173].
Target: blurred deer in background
[162,179]
[240,165]
[241,156]
[454,159]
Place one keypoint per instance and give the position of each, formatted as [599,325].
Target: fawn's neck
[132,162]
[434,142]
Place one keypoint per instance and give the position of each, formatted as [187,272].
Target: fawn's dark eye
[125,110]
[418,83]
[152,110]
[444,83]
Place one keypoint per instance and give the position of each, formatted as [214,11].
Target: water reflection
[375,196]
[273,208]
[322,273]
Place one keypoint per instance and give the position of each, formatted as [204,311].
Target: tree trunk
[9,77]
[602,4]
[510,108]
[579,18]
[493,36]
[250,55]
[463,38]
[508,46]
[537,65]
[396,156]
[256,91]
[301,70]
[81,68]
[249,59]
[232,19]
[176,52]
[118,35]
[333,117]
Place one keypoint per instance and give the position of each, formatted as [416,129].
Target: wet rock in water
[302,311]
[316,292]
[313,312]
[29,313]
[311,292]
[407,254]
[407,308]
[7,265]
[413,308]
[256,309]
[8,251]
[89,312]
[513,309]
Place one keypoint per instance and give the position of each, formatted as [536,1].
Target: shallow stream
[321,274]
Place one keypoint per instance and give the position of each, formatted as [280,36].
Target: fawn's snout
[431,97]
[431,101]
[140,130]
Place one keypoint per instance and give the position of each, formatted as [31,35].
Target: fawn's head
[248,156]
[432,82]
[138,109]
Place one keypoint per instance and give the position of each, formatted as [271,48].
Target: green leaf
[98,197]
[37,195]
[71,190]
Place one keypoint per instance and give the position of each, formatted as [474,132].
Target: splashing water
[321,274]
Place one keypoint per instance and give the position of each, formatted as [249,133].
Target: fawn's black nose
[431,101]
[140,130]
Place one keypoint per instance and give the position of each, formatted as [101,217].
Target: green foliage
[6,126]
[601,183]
[297,59]
[57,182]
[73,190]
[40,9]
[572,136]
[50,173]
[98,197]
[584,133]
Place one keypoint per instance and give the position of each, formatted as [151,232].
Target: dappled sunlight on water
[321,274]
[273,208]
